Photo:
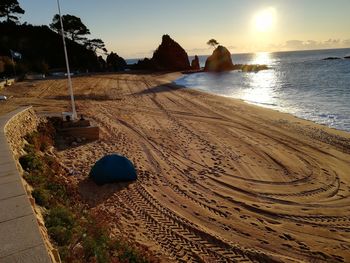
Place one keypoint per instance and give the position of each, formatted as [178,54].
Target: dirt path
[219,180]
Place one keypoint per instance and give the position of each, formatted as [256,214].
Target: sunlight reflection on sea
[300,83]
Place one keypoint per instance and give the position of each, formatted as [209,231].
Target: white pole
[74,113]
[14,65]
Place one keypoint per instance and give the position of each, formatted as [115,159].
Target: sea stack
[195,63]
[219,61]
[170,56]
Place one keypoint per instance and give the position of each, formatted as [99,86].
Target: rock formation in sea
[168,56]
[219,61]
[195,63]
[331,58]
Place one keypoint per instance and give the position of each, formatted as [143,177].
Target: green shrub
[60,234]
[131,256]
[126,253]
[96,248]
[35,178]
[59,216]
[31,162]
[57,190]
[59,222]
[41,196]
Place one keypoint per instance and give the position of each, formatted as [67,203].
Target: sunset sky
[134,28]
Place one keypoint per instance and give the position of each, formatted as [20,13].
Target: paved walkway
[20,239]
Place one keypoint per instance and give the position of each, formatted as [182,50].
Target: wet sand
[219,180]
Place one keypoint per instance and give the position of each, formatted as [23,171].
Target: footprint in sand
[269,229]
[287,245]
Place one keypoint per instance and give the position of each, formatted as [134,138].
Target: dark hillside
[42,50]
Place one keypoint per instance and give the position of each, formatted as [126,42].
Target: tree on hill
[73,26]
[213,43]
[115,63]
[8,9]
[95,44]
[41,56]
[102,63]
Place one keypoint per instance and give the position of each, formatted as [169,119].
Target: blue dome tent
[113,168]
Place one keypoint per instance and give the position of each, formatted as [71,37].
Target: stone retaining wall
[21,238]
[18,126]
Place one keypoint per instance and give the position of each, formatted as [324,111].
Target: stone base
[90,133]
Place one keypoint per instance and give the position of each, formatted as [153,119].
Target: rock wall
[18,126]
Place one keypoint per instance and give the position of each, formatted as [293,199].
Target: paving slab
[12,189]
[34,254]
[7,168]
[13,208]
[8,178]
[18,235]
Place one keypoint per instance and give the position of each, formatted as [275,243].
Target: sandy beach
[219,180]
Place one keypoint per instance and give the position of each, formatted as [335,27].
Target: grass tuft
[59,222]
[42,197]
[31,162]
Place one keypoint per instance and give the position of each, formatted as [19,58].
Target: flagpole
[14,65]
[74,113]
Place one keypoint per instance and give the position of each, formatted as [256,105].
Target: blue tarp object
[113,168]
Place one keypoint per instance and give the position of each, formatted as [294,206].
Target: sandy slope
[219,180]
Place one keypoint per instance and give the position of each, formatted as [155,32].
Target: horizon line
[256,52]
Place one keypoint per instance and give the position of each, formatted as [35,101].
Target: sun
[264,20]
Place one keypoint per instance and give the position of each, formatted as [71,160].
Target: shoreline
[265,106]
[343,133]
[171,83]
[219,179]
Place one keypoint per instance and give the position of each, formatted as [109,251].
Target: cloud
[196,51]
[346,42]
[294,44]
[313,44]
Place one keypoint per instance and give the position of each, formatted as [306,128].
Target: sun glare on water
[264,20]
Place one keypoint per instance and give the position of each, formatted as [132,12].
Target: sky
[133,28]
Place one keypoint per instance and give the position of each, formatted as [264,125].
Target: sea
[301,83]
